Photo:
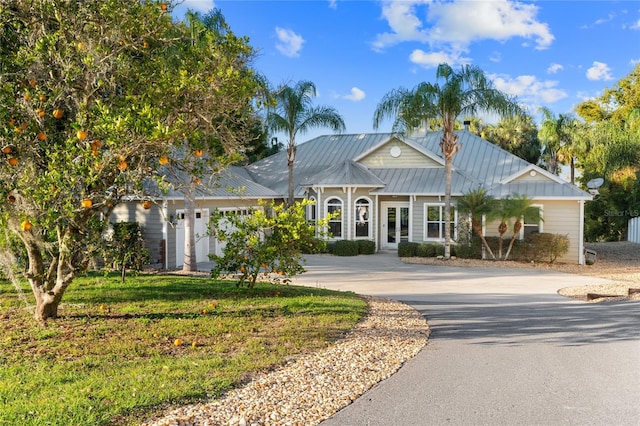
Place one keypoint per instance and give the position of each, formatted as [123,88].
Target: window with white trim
[362,222]
[434,222]
[532,221]
[312,211]
[334,206]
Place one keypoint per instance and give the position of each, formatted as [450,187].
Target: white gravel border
[312,388]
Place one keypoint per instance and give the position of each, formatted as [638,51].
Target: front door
[395,224]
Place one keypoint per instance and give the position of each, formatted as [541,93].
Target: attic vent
[466,124]
[362,136]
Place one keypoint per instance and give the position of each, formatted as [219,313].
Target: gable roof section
[347,173]
[424,156]
[533,170]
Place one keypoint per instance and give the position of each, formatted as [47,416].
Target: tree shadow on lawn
[503,319]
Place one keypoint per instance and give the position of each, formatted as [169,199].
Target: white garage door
[202,239]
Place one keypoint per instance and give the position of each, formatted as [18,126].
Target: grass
[110,359]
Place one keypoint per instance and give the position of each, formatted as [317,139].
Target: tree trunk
[291,157]
[449,147]
[502,229]
[516,230]
[447,207]
[190,263]
[478,228]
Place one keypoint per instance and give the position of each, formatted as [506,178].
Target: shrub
[426,249]
[546,247]
[407,249]
[366,247]
[345,248]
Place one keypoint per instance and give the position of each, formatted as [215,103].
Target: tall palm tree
[478,204]
[466,92]
[294,113]
[519,206]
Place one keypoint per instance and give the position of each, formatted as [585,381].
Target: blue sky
[547,53]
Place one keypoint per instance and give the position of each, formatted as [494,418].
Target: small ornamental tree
[98,98]
[267,241]
[124,248]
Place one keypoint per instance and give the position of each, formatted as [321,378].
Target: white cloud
[599,71]
[636,26]
[529,89]
[554,68]
[333,4]
[433,59]
[203,6]
[458,24]
[289,43]
[355,95]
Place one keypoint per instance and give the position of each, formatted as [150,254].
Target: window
[532,221]
[311,211]
[362,218]
[334,206]
[434,222]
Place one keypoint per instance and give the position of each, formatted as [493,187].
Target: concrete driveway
[505,349]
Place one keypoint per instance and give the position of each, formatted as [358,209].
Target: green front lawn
[112,356]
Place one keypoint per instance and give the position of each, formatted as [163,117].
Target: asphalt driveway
[505,349]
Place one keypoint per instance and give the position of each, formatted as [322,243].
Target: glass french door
[395,224]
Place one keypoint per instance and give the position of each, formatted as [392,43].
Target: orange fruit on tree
[145,45]
[57,113]
[163,6]
[146,204]
[163,160]
[42,136]
[27,97]
[122,166]
[81,134]
[86,203]
[96,143]
[43,98]
[40,112]
[197,153]
[13,161]
[25,225]
[6,149]
[196,181]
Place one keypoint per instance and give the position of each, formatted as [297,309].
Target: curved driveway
[505,349]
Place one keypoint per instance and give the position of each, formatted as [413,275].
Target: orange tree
[267,241]
[97,98]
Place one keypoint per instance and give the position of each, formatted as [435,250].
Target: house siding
[150,220]
[409,157]
[559,217]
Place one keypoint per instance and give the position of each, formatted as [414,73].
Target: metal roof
[325,159]
[347,173]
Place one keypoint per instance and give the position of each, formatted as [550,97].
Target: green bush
[366,247]
[469,251]
[427,249]
[407,249]
[546,247]
[345,248]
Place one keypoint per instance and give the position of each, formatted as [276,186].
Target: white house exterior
[388,188]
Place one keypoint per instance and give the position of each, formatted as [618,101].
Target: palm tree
[558,135]
[294,113]
[465,92]
[477,204]
[519,206]
[503,212]
[518,135]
